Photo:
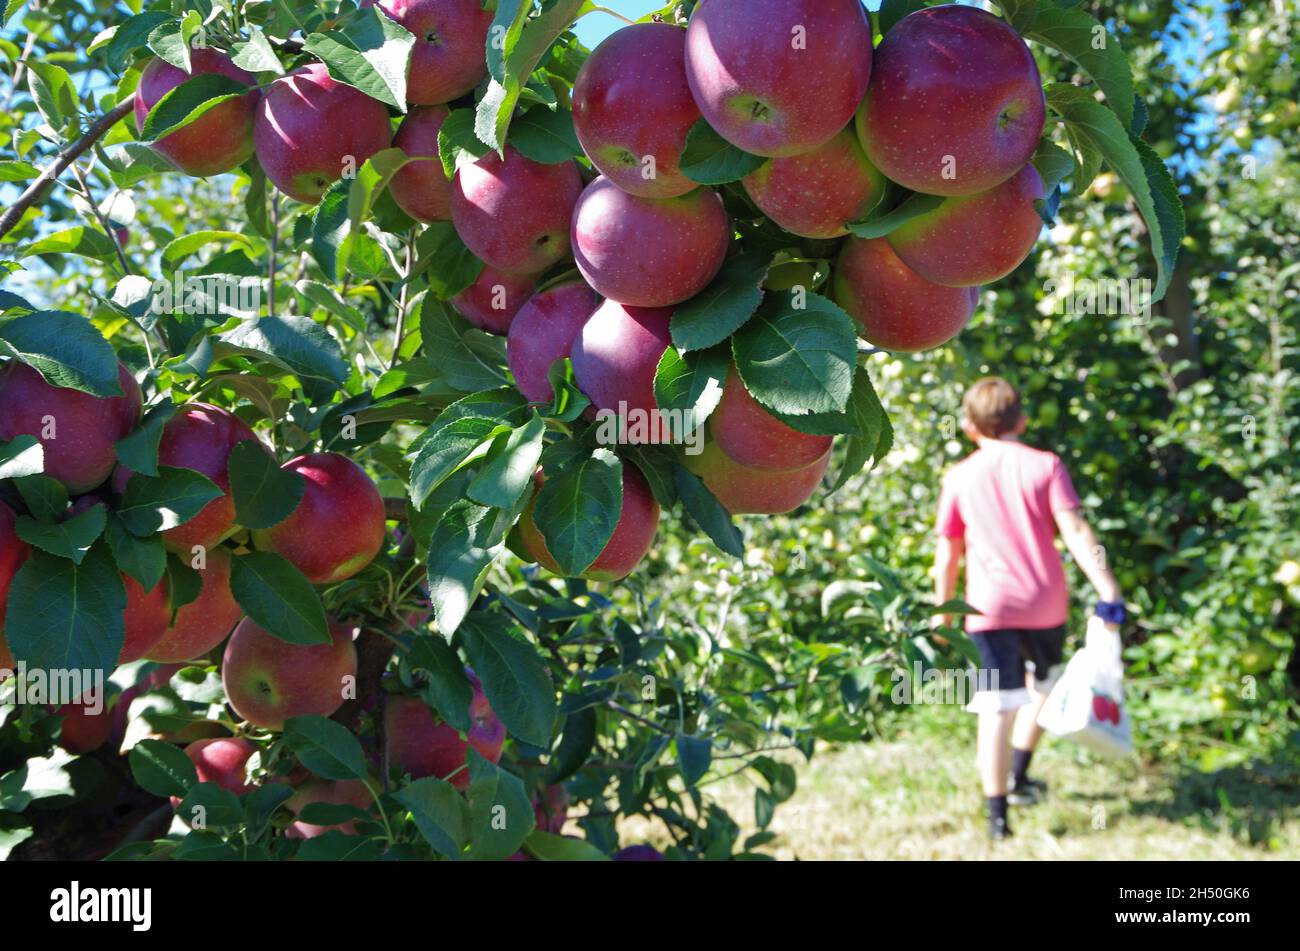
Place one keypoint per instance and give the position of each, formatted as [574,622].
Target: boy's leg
[1043,650]
[1001,693]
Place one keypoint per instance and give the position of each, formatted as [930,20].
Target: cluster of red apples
[336,530]
[949,105]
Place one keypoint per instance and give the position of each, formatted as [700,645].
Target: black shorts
[1008,655]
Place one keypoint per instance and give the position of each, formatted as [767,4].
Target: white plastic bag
[1087,703]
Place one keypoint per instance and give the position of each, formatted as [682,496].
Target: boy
[1000,509]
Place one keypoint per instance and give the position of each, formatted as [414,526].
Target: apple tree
[356,356]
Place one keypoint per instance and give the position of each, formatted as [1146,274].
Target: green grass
[916,796]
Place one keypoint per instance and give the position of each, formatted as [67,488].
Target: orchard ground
[913,796]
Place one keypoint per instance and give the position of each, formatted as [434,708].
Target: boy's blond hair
[992,406]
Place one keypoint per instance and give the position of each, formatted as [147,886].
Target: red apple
[896,308]
[421,188]
[421,744]
[145,619]
[615,357]
[338,526]
[649,252]
[955,104]
[778,77]
[753,437]
[974,239]
[268,680]
[543,332]
[13,552]
[310,129]
[218,141]
[343,792]
[203,623]
[223,760]
[84,730]
[743,490]
[77,430]
[632,109]
[638,522]
[814,194]
[514,213]
[450,55]
[199,437]
[492,301]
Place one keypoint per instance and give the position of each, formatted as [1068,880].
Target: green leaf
[173,497]
[70,539]
[575,746]
[725,305]
[66,616]
[871,421]
[877,226]
[891,11]
[46,498]
[439,812]
[1140,169]
[1054,165]
[509,471]
[441,254]
[278,598]
[81,240]
[144,559]
[179,249]
[255,54]
[711,160]
[67,349]
[455,436]
[707,512]
[171,41]
[264,494]
[14,171]
[694,757]
[184,583]
[457,143]
[23,456]
[546,847]
[798,361]
[326,748]
[162,769]
[468,358]
[546,135]
[53,92]
[372,52]
[501,813]
[448,688]
[8,9]
[138,451]
[207,804]
[464,543]
[691,383]
[132,34]
[524,43]
[578,509]
[1080,36]
[514,677]
[188,102]
[298,344]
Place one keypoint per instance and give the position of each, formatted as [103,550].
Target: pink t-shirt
[1002,498]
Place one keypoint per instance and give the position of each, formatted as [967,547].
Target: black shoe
[1026,792]
[999,830]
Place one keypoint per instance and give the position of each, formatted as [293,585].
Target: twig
[36,189]
[275,244]
[395,510]
[18,70]
[99,216]
[401,303]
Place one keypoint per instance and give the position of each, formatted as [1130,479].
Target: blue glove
[1112,612]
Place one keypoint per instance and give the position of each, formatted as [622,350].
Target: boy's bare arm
[1088,553]
[947,567]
